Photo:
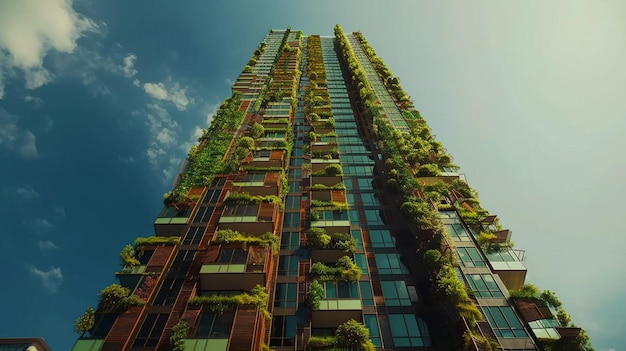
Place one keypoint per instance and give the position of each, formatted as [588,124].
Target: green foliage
[432,260]
[243,198]
[179,334]
[338,186]
[484,238]
[448,286]
[330,171]
[527,291]
[329,205]
[345,269]
[127,255]
[563,317]
[550,298]
[207,161]
[219,303]
[354,336]
[246,142]
[317,238]
[256,131]
[157,240]
[316,292]
[233,236]
[316,341]
[115,299]
[420,212]
[469,311]
[85,322]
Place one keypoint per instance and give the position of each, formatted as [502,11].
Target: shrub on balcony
[329,171]
[219,303]
[233,236]
[354,336]
[329,205]
[420,212]
[316,294]
[127,255]
[157,240]
[180,331]
[256,131]
[85,322]
[345,269]
[448,286]
[116,299]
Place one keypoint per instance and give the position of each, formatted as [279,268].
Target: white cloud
[27,193]
[47,245]
[30,29]
[129,65]
[126,160]
[169,91]
[28,145]
[157,90]
[37,101]
[136,82]
[14,138]
[42,224]
[51,279]
[165,137]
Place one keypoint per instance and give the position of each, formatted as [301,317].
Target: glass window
[406,331]
[458,232]
[292,220]
[292,202]
[382,238]
[371,322]
[470,257]
[370,199]
[484,285]
[361,261]
[290,241]
[211,196]
[389,263]
[395,293]
[203,214]
[286,295]
[233,256]
[284,330]
[215,326]
[288,265]
[169,292]
[194,235]
[367,297]
[504,322]
[151,330]
[356,234]
[374,217]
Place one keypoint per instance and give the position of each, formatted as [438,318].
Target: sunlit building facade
[318,196]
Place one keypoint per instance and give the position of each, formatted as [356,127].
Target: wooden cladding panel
[243,334]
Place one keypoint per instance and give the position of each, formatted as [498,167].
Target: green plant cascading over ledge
[354,336]
[232,236]
[316,294]
[207,161]
[180,331]
[244,198]
[318,239]
[329,171]
[127,255]
[85,322]
[157,240]
[345,270]
[117,299]
[329,205]
[219,303]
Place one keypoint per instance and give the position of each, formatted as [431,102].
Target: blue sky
[100,101]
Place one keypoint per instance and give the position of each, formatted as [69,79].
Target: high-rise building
[319,211]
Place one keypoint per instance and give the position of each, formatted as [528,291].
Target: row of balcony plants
[205,160]
[407,157]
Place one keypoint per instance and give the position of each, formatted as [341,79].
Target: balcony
[228,267]
[265,158]
[509,267]
[172,221]
[334,312]
[258,184]
[254,219]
